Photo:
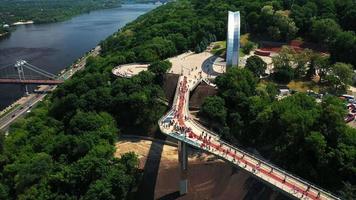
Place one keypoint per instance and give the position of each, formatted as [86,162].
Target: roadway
[31,100]
[178,124]
[21,110]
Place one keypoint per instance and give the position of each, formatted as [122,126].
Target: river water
[55,46]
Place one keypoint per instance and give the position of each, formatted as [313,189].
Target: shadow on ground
[146,189]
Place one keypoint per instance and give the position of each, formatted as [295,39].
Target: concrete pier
[183,163]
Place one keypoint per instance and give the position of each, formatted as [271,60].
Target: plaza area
[192,65]
[129,70]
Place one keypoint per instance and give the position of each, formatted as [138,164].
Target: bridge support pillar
[183,163]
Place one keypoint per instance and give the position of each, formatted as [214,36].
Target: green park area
[65,148]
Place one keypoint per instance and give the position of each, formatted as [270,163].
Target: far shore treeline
[64,148]
[45,11]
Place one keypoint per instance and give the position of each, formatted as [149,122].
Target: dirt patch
[208,177]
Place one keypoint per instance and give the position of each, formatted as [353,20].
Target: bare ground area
[208,177]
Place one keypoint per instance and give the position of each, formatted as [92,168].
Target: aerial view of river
[55,46]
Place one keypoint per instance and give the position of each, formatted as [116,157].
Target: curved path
[177,124]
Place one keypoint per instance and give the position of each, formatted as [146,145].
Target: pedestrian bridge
[177,124]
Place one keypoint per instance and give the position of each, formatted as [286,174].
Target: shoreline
[66,73]
[22,23]
[2,35]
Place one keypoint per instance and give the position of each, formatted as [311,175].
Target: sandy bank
[23,23]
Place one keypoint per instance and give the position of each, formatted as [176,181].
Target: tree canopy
[256,65]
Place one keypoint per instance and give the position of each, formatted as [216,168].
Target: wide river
[55,46]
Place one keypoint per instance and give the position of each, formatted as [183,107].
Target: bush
[256,65]
[248,47]
[284,75]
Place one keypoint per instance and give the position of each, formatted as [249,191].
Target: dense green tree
[214,110]
[283,63]
[316,145]
[339,78]
[135,102]
[180,42]
[279,25]
[348,192]
[324,31]
[160,67]
[302,15]
[236,84]
[256,65]
[3,192]
[348,17]
[343,46]
[253,21]
[2,139]
[29,170]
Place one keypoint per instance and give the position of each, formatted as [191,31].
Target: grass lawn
[303,86]
[219,49]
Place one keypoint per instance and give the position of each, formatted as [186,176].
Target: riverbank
[35,43]
[4,34]
[23,23]
[25,103]
[18,11]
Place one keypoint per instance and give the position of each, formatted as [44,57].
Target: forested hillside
[44,11]
[64,149]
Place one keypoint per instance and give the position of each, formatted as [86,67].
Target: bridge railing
[281,171]
[176,92]
[197,125]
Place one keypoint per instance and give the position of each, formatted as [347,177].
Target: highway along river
[55,46]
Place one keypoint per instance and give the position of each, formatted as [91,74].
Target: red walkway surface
[296,187]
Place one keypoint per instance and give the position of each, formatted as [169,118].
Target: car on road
[349,118]
[13,115]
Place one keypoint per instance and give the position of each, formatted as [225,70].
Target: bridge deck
[37,82]
[177,124]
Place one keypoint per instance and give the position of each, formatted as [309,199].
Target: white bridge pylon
[177,124]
